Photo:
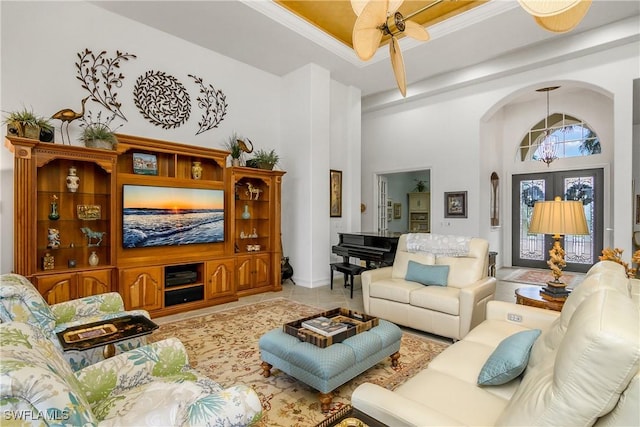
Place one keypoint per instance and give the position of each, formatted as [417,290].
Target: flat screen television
[169,216]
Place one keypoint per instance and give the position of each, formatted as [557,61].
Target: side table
[530,295]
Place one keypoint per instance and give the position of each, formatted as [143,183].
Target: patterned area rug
[224,346]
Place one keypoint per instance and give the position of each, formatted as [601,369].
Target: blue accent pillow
[509,359]
[427,274]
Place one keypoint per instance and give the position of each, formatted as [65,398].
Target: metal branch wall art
[214,104]
[100,76]
[162,99]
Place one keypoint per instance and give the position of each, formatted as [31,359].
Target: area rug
[224,346]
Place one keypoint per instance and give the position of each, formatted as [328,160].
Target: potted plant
[266,159]
[233,146]
[420,185]
[23,123]
[46,130]
[98,134]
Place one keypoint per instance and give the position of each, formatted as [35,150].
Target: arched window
[574,138]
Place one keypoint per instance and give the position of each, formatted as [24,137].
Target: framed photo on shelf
[145,164]
[335,193]
[455,204]
[397,210]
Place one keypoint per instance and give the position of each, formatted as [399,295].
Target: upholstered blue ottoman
[325,369]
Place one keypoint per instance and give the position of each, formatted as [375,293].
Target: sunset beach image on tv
[168,216]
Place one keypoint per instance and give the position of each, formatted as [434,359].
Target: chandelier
[549,143]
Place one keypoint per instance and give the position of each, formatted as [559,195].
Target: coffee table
[530,295]
[325,369]
[350,417]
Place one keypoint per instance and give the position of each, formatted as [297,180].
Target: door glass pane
[531,245]
[580,249]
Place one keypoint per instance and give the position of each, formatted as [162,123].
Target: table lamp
[557,217]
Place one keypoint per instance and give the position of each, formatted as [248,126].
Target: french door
[532,250]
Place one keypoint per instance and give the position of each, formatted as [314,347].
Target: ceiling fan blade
[366,34]
[358,5]
[545,8]
[565,21]
[398,65]
[416,31]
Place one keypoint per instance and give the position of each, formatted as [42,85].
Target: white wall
[38,71]
[465,132]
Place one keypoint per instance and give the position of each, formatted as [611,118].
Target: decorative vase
[46,135]
[93,259]
[245,212]
[73,180]
[196,170]
[54,215]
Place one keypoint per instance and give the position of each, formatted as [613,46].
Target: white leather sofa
[582,370]
[451,310]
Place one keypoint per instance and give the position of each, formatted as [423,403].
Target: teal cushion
[509,359]
[427,274]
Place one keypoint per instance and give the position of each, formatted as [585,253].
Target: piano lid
[386,234]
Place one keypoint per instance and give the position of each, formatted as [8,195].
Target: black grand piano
[377,249]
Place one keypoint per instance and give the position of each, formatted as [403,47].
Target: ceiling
[268,35]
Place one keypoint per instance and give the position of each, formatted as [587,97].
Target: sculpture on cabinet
[98,235]
[253,192]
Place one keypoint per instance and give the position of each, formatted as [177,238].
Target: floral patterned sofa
[20,301]
[151,385]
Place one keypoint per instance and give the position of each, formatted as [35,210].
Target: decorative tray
[357,322]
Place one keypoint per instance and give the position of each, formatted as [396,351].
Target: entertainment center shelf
[216,253]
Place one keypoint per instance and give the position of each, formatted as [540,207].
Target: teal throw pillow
[509,359]
[427,274]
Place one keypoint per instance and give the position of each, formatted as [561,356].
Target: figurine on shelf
[253,192]
[54,238]
[98,235]
[53,215]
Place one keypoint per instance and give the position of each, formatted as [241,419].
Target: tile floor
[327,298]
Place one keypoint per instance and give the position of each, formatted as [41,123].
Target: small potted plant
[46,130]
[23,123]
[266,159]
[98,134]
[233,146]
[420,185]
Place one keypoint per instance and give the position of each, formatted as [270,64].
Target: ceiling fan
[377,18]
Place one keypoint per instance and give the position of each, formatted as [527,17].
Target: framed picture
[455,204]
[145,164]
[335,193]
[397,210]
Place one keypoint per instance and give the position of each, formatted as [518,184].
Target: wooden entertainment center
[57,229]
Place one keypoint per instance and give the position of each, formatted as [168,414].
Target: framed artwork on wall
[335,193]
[145,164]
[455,204]
[397,210]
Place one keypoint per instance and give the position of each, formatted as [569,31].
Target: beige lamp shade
[559,217]
[566,21]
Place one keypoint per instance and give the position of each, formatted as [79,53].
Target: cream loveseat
[582,370]
[451,310]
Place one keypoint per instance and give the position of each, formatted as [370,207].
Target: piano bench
[349,270]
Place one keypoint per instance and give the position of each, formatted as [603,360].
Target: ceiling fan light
[366,32]
[566,21]
[546,8]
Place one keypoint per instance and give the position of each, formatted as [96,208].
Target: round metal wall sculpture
[162,99]
[214,104]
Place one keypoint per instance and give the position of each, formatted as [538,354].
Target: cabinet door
[94,282]
[244,272]
[219,278]
[419,202]
[261,270]
[141,288]
[57,287]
